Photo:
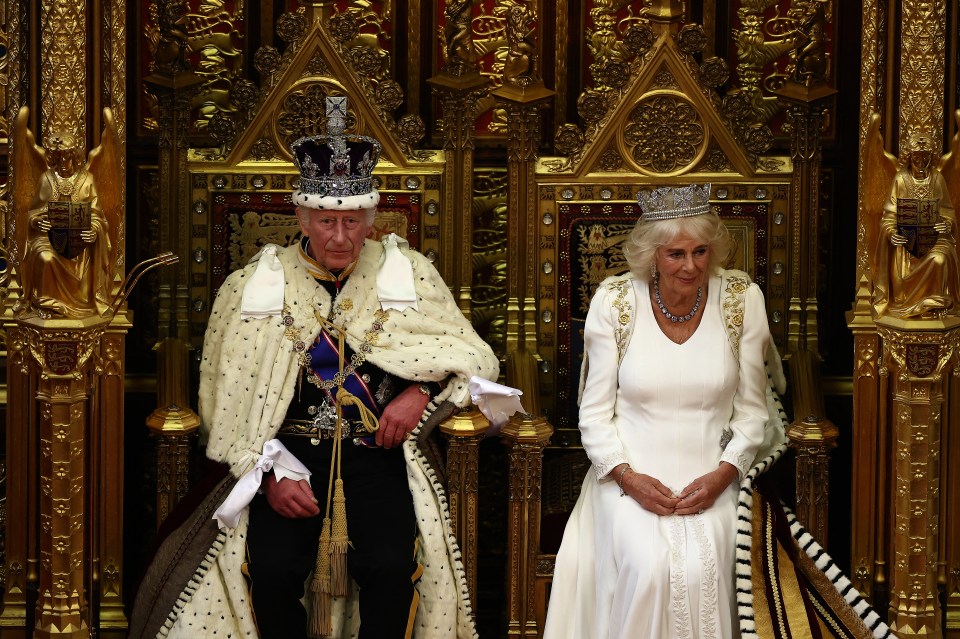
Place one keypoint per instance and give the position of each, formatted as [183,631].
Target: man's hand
[704,490]
[401,416]
[293,499]
[898,240]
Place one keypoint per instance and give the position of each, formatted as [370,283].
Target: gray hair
[641,246]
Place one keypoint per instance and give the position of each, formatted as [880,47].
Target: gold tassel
[367,418]
[339,541]
[321,614]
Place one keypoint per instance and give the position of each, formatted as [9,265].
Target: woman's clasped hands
[654,496]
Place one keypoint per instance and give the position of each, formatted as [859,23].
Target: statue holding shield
[915,232]
[68,243]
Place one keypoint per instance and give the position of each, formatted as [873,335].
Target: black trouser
[382,529]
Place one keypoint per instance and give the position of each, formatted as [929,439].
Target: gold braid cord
[330,576]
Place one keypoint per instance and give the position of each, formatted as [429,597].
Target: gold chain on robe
[330,576]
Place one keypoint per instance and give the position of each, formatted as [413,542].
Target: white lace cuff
[608,463]
[739,460]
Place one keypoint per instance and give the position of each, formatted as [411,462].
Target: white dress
[623,571]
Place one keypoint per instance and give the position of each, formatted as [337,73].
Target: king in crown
[336,169]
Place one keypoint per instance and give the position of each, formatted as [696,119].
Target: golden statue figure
[67,221]
[911,227]
[811,51]
[519,67]
[458,36]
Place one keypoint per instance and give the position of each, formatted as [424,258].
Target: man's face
[336,237]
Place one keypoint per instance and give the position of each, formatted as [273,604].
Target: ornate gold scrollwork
[665,134]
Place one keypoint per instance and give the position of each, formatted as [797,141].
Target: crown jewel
[670,202]
[336,168]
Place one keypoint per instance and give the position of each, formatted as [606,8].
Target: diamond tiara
[670,202]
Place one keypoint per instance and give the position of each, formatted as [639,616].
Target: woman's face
[682,265]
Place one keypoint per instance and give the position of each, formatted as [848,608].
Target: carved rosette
[714,72]
[639,39]
[665,134]
[291,27]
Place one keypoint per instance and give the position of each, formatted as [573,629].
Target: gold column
[460,87]
[527,436]
[522,95]
[870,481]
[64,351]
[523,107]
[459,96]
[812,437]
[948,573]
[106,480]
[173,423]
[22,487]
[805,108]
[465,430]
[917,353]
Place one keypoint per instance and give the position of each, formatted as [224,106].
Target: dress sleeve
[750,402]
[598,434]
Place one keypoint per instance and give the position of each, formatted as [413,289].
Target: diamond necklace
[663,309]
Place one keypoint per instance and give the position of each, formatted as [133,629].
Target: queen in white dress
[672,414]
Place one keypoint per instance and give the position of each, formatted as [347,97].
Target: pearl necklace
[663,309]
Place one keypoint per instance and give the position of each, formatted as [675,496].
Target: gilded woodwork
[806,105]
[812,436]
[239,198]
[917,356]
[64,58]
[922,55]
[63,350]
[464,431]
[903,407]
[489,251]
[948,568]
[608,160]
[526,436]
[21,554]
[459,87]
[173,425]
[6,15]
[106,492]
